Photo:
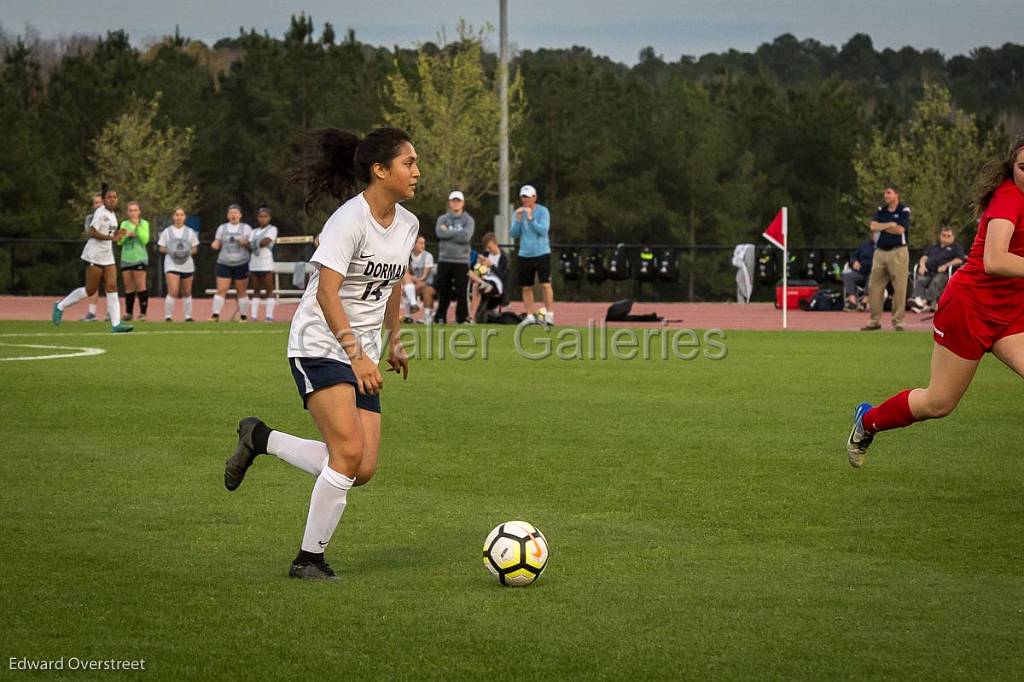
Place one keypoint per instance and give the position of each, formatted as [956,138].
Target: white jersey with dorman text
[101,251]
[372,260]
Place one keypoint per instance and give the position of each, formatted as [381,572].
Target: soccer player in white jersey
[99,255]
[233,241]
[180,243]
[261,264]
[335,340]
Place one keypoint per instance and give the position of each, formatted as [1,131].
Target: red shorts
[962,326]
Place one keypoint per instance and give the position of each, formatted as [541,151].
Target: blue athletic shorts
[233,271]
[311,374]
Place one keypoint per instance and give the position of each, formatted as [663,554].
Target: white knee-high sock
[188,307]
[218,303]
[330,494]
[243,306]
[410,293]
[92,309]
[255,308]
[114,308]
[168,306]
[308,455]
[73,298]
[271,302]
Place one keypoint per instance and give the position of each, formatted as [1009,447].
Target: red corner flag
[775,232]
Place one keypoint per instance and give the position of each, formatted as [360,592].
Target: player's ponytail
[993,174]
[105,189]
[334,162]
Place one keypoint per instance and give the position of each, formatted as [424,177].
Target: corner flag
[777,233]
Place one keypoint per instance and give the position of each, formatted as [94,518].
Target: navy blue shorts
[311,374]
[233,271]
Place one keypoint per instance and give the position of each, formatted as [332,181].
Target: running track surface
[753,316]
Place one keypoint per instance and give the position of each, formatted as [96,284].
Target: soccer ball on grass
[516,552]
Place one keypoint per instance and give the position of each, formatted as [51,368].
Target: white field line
[79,352]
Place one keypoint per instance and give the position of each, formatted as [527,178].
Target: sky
[615,29]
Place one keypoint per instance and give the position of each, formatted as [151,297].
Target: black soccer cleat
[241,460]
[314,570]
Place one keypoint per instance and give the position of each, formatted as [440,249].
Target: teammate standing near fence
[261,264]
[180,243]
[90,315]
[134,260]
[99,256]
[232,240]
[335,343]
[981,310]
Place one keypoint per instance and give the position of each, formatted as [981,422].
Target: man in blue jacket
[531,225]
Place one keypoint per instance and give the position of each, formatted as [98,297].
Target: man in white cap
[530,227]
[454,234]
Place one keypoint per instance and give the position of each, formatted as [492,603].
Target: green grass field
[703,520]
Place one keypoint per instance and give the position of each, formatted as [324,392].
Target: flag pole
[785,268]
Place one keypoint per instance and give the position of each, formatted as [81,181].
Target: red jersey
[995,292]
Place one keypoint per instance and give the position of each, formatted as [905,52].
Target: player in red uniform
[981,310]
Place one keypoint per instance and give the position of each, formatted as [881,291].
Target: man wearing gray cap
[454,234]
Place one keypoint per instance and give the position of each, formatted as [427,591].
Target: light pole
[504,218]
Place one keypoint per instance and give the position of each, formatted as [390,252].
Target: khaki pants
[892,265]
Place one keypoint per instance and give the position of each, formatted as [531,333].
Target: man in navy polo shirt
[933,270]
[892,259]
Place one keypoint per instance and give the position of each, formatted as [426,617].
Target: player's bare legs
[336,416]
[371,445]
[242,295]
[93,276]
[223,283]
[950,377]
[1010,349]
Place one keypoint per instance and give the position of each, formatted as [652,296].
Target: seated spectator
[487,277]
[856,274]
[419,280]
[933,270]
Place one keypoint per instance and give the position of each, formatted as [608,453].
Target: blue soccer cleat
[57,315]
[121,328]
[860,439]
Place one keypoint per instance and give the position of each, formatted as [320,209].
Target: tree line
[692,151]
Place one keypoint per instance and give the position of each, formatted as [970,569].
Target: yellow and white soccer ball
[516,552]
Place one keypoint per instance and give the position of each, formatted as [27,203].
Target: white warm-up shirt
[262,259]
[179,242]
[101,251]
[418,264]
[372,260]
